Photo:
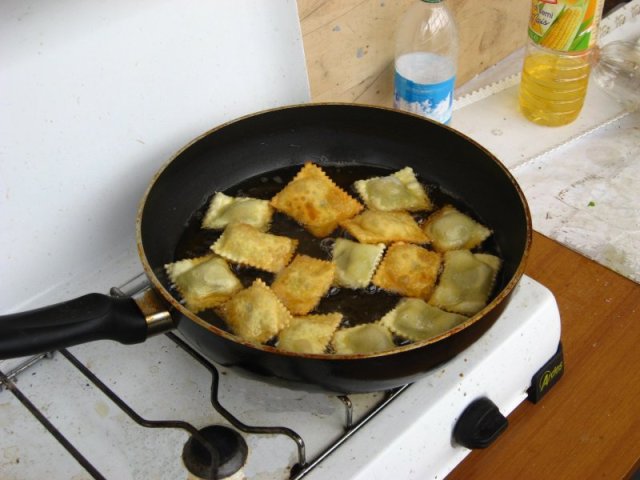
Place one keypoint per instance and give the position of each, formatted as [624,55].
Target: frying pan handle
[84,319]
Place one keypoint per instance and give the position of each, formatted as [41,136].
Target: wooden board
[349,44]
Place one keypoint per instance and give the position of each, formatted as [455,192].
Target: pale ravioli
[303,282]
[366,338]
[398,191]
[315,202]
[224,210]
[441,286]
[408,270]
[203,282]
[255,313]
[355,262]
[466,281]
[374,226]
[247,245]
[450,229]
[416,320]
[309,334]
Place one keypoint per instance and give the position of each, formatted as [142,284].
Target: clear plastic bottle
[426,61]
[617,71]
[557,64]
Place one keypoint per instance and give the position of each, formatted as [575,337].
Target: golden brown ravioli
[303,282]
[224,210]
[247,245]
[355,262]
[450,229]
[255,313]
[466,281]
[374,226]
[315,202]
[415,320]
[398,191]
[309,334]
[408,270]
[203,282]
[367,338]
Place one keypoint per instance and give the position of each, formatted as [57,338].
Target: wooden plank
[349,44]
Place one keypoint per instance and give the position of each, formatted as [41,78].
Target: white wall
[94,97]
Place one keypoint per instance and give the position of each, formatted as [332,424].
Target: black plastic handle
[479,424]
[84,319]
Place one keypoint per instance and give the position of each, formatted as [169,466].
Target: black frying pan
[329,135]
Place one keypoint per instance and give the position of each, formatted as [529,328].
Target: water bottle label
[434,100]
[564,25]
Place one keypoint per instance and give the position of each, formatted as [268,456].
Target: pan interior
[342,137]
[357,306]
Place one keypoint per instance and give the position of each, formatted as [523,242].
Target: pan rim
[499,298]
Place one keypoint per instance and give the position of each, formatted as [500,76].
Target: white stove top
[410,438]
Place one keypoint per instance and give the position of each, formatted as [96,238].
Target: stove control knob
[479,424]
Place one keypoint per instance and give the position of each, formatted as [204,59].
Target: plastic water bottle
[426,61]
[557,64]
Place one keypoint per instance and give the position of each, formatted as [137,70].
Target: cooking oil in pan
[357,306]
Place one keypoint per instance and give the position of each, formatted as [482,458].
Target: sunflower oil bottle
[562,34]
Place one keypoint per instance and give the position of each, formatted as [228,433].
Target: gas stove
[104,410]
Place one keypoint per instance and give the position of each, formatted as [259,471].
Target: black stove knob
[479,424]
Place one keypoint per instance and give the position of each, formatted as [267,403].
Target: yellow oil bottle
[557,64]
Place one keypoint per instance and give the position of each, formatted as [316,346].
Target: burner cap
[230,447]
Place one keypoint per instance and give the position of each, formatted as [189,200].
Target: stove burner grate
[203,445]
[7,382]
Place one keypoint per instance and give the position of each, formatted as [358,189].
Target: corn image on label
[564,25]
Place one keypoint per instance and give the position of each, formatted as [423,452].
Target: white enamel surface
[95,97]
[411,438]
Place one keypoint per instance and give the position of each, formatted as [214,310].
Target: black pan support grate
[298,471]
